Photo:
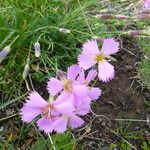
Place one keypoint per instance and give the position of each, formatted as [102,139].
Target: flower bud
[26,70]
[139,32]
[105,16]
[63,30]
[61,74]
[122,16]
[4,53]
[110,58]
[104,11]
[110,16]
[136,32]
[143,16]
[37,49]
[144,11]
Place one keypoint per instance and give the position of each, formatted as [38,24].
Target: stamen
[100,57]
[65,116]
[47,111]
[67,85]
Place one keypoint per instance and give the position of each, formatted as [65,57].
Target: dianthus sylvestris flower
[67,84]
[93,92]
[91,55]
[147,4]
[54,116]
[74,84]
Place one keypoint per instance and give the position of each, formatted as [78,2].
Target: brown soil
[122,98]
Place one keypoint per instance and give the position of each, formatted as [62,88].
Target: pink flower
[147,4]
[60,125]
[49,111]
[93,92]
[91,55]
[83,107]
[73,90]
[67,85]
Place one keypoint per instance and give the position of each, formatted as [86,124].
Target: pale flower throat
[67,85]
[100,57]
[47,111]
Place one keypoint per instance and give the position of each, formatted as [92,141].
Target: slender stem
[8,117]
[27,85]
[54,148]
[121,138]
[14,40]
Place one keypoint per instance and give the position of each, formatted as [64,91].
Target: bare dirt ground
[122,98]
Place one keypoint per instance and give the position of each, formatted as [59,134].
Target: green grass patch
[33,20]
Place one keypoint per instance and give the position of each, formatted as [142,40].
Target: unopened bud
[105,16]
[143,16]
[64,30]
[4,53]
[110,58]
[26,70]
[104,11]
[139,32]
[61,75]
[122,16]
[37,49]
[144,11]
[110,16]
[135,32]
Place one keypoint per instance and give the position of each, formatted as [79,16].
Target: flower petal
[80,90]
[147,4]
[73,72]
[29,113]
[110,46]
[91,75]
[60,125]
[106,71]
[94,93]
[83,108]
[90,47]
[45,124]
[61,98]
[35,101]
[75,121]
[54,86]
[86,61]
[65,107]
[81,77]
[33,107]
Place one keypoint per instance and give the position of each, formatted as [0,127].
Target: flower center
[99,57]
[65,116]
[67,85]
[47,111]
